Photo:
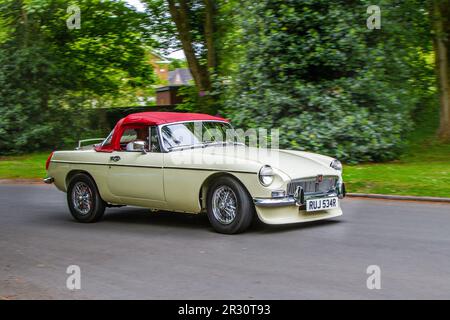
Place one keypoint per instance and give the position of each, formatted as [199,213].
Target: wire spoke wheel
[82,198]
[224,203]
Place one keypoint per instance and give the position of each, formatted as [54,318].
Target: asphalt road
[136,254]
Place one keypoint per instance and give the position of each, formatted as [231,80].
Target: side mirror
[139,146]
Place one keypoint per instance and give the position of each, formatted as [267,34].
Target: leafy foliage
[49,73]
[315,71]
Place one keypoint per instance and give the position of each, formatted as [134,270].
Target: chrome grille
[310,185]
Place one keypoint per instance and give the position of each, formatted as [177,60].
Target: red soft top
[155,118]
[149,119]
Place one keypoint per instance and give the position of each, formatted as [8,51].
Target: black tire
[79,209]
[244,207]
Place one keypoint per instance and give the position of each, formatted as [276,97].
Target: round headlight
[266,175]
[336,165]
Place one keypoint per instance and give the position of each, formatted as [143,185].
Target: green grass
[423,171]
[23,167]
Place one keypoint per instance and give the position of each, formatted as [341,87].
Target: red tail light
[47,163]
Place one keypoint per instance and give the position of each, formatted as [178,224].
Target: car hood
[296,164]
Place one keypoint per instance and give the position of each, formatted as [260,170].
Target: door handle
[114,158]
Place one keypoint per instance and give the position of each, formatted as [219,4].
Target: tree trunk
[179,11]
[209,34]
[25,24]
[441,11]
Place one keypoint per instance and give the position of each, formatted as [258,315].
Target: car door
[136,177]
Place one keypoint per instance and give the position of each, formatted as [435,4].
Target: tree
[313,70]
[48,73]
[181,11]
[195,24]
[440,10]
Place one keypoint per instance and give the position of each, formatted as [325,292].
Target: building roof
[180,76]
[168,88]
[162,59]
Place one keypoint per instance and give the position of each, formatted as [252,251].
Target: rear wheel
[229,207]
[84,201]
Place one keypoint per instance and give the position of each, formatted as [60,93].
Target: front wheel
[229,206]
[84,201]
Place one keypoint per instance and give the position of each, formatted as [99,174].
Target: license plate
[322,204]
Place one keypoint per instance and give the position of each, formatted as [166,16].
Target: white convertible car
[178,162]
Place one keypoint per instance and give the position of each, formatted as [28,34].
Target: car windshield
[196,133]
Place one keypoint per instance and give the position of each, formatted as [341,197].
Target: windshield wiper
[223,143]
[186,147]
[204,145]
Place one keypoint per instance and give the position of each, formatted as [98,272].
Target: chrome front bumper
[295,200]
[274,202]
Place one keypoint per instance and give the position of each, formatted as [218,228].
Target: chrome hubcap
[224,205]
[82,198]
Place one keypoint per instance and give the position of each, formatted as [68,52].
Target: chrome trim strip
[207,169]
[158,167]
[87,140]
[105,164]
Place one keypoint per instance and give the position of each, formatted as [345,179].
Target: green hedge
[313,70]
[61,128]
